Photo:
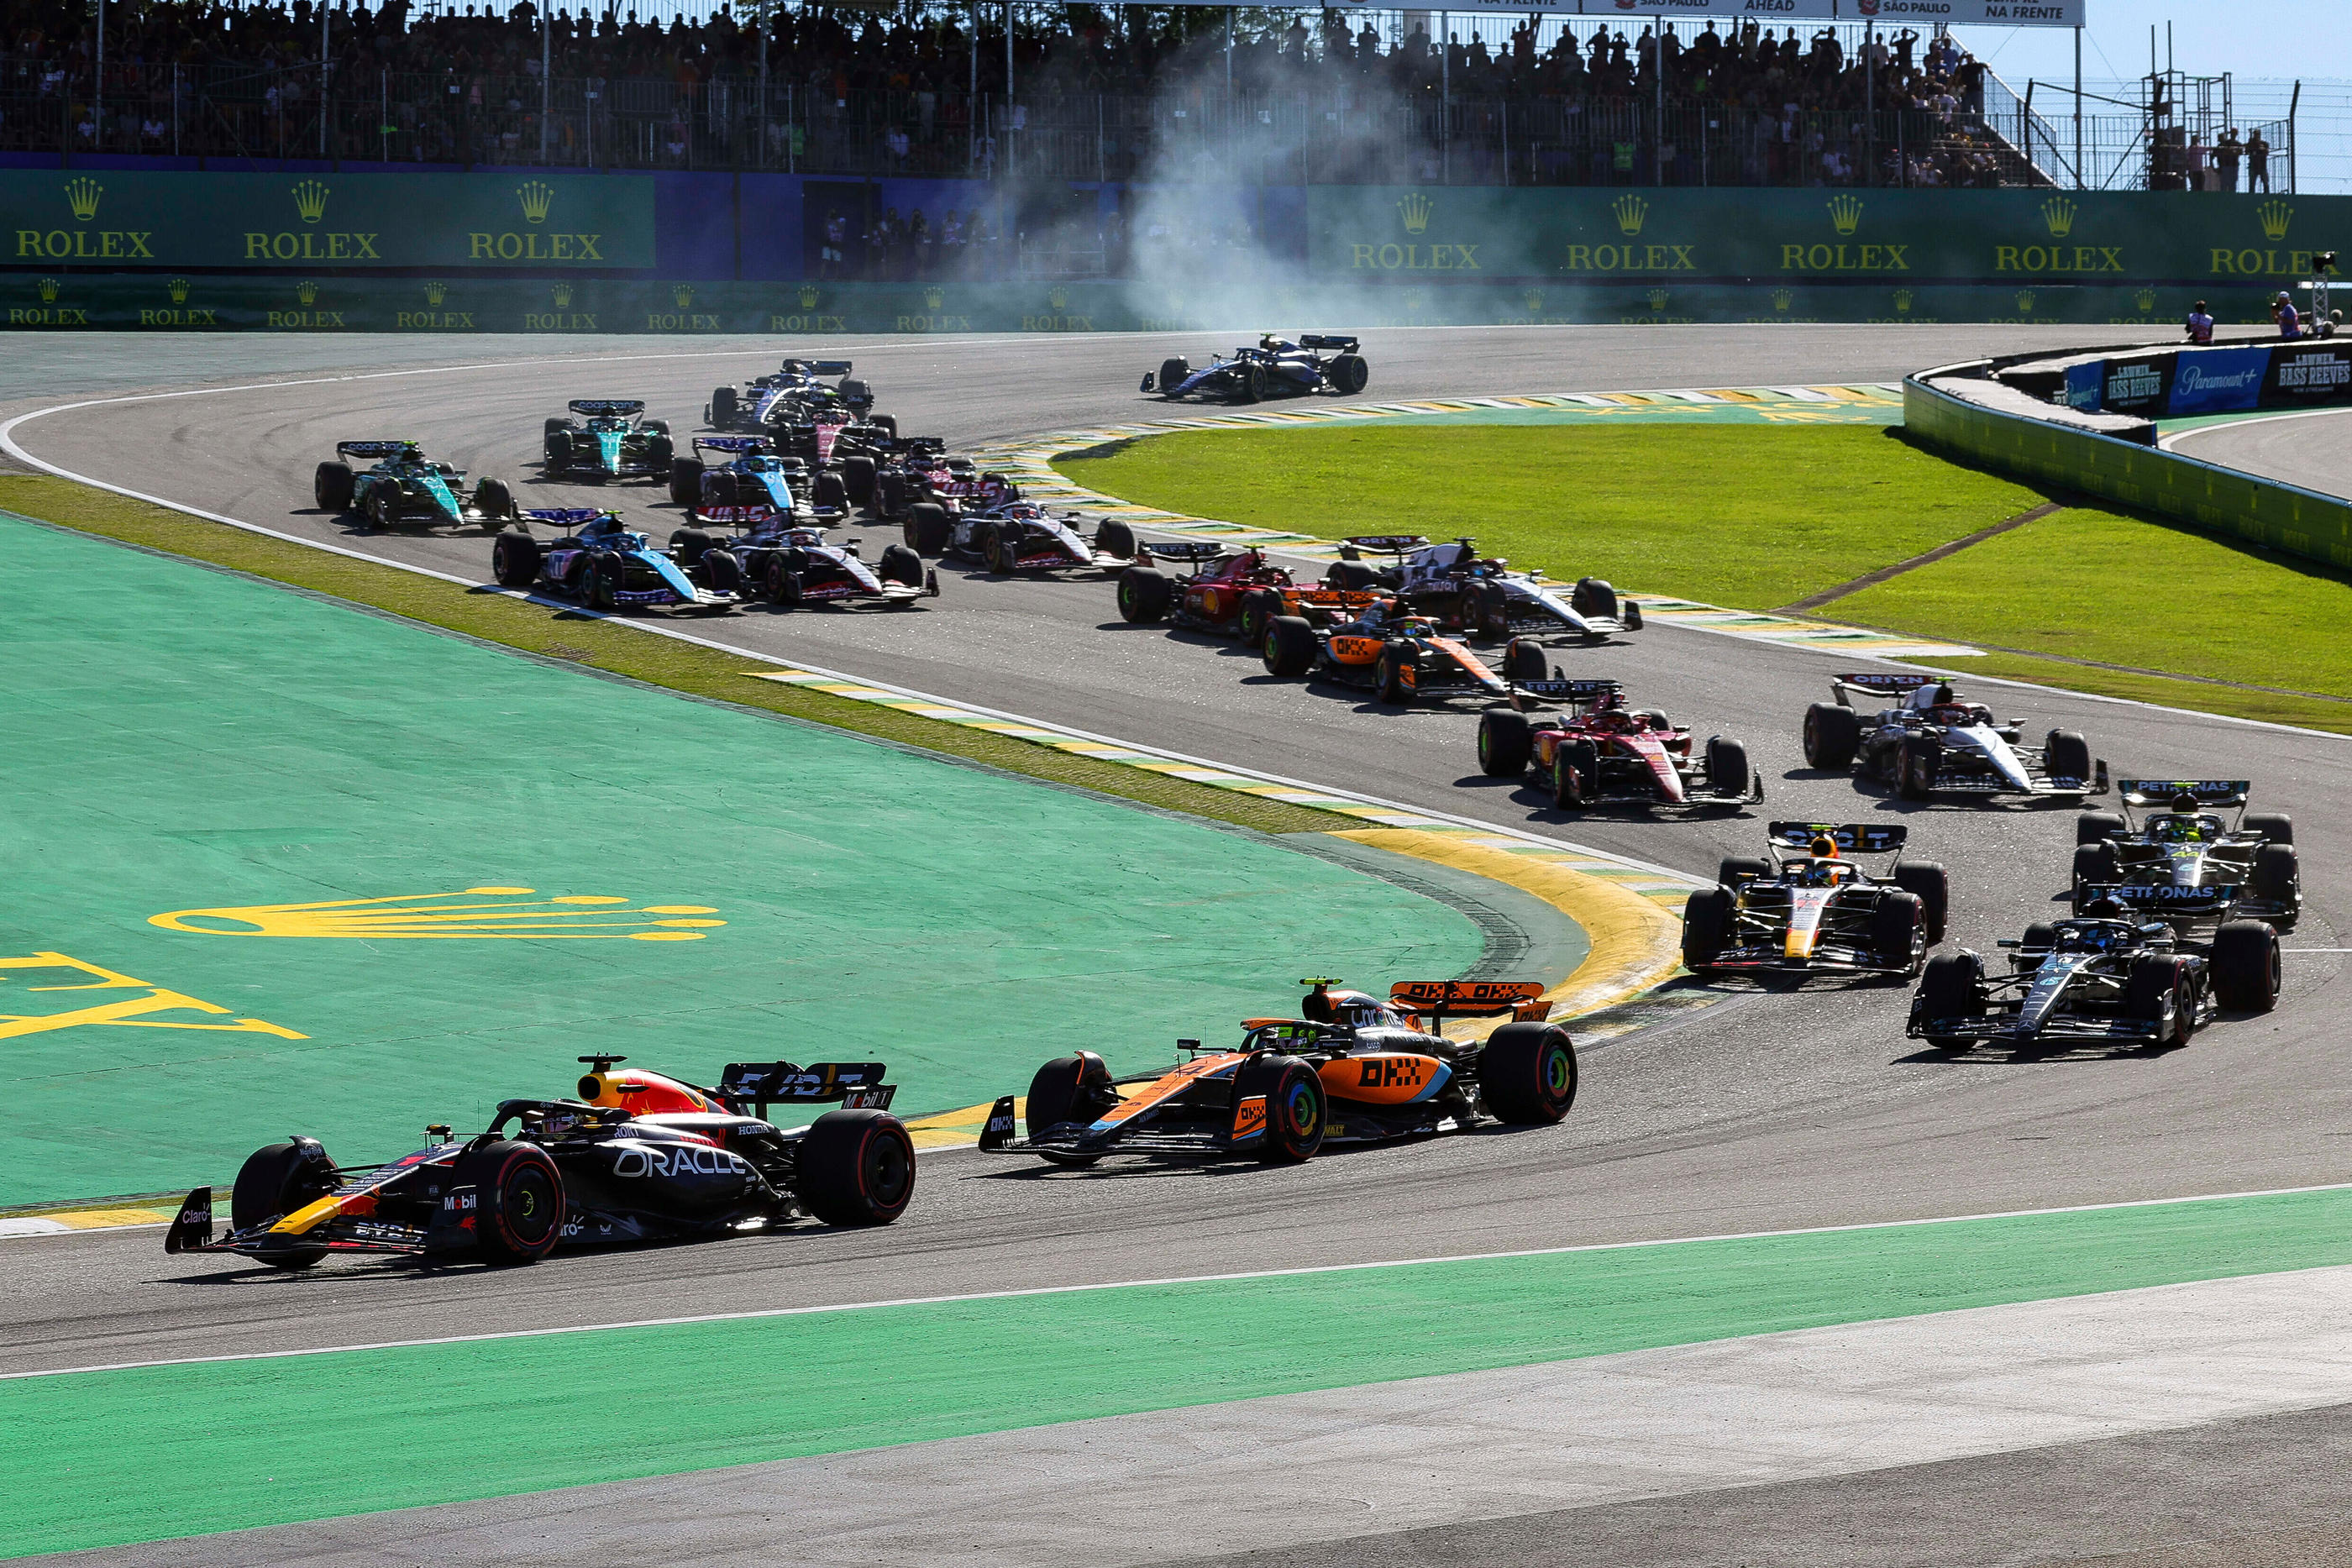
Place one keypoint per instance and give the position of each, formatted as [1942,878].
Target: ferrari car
[790,566]
[1816,912]
[762,402]
[1596,751]
[1275,368]
[1462,591]
[917,469]
[598,561]
[1354,1069]
[2104,978]
[1396,657]
[404,486]
[1019,537]
[604,438]
[636,1157]
[748,484]
[1228,592]
[2183,864]
[1932,742]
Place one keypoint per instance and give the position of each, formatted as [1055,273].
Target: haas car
[1395,656]
[748,483]
[636,1156]
[1817,911]
[602,438]
[1019,537]
[1228,592]
[1464,591]
[1596,751]
[1275,368]
[2105,977]
[2183,863]
[404,486]
[790,566]
[599,561]
[1355,1069]
[764,403]
[1931,742]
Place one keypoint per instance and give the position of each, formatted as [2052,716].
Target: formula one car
[1596,751]
[1019,535]
[1816,912]
[749,483]
[1354,1070]
[762,404]
[2183,864]
[1462,591]
[1396,657]
[637,1156]
[2101,979]
[1275,368]
[917,469]
[789,566]
[602,438]
[598,561]
[405,487]
[1229,592]
[1933,742]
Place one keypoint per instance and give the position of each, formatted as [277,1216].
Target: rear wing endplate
[2160,791]
[1852,837]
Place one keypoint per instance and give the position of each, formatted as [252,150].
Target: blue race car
[1275,368]
[787,396]
[405,487]
[598,561]
[602,438]
[749,483]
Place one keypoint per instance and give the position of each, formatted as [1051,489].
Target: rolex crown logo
[1630,211]
[562,292]
[1846,214]
[311,201]
[536,197]
[82,196]
[48,290]
[933,299]
[1413,301]
[1658,297]
[684,294]
[1058,300]
[2058,212]
[2276,217]
[178,289]
[307,293]
[1416,210]
[1782,299]
[1534,299]
[2025,301]
[435,292]
[514,914]
[810,295]
[1903,301]
[2145,299]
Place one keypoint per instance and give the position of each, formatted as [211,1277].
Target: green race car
[604,438]
[405,487]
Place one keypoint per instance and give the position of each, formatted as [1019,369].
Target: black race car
[1395,656]
[1818,913]
[917,469]
[602,438]
[599,561]
[761,404]
[404,486]
[1354,1070]
[1275,368]
[636,1156]
[2183,864]
[1933,742]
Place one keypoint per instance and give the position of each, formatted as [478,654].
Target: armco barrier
[2217,500]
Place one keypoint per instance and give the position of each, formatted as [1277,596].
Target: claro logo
[683,1159]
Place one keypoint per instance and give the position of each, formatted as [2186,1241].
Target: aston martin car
[404,486]
[605,438]
[1817,911]
[1933,742]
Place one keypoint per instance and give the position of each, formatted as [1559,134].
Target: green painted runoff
[106,1458]
[187,739]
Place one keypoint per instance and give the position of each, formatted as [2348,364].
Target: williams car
[1275,368]
[1931,742]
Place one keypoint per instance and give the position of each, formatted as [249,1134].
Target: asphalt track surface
[2305,449]
[1770,1111]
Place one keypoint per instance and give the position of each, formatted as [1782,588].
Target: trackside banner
[524,223]
[2170,383]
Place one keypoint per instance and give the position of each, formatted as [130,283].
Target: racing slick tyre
[2156,978]
[1249,383]
[1351,577]
[550,425]
[689,546]
[902,566]
[2276,877]
[781,582]
[832,495]
[1897,923]
[1575,775]
[1917,765]
[1145,594]
[928,529]
[1732,870]
[1952,987]
[885,423]
[1114,538]
[1593,596]
[2097,827]
[859,395]
[494,500]
[685,481]
[720,489]
[2033,945]
[1727,766]
[722,406]
[599,584]
[857,478]
[1066,1089]
[1173,373]
[556,448]
[1527,1073]
[1289,646]
[721,572]
[1349,374]
[2066,754]
[1524,661]
[659,455]
[1707,926]
[2095,863]
[518,1201]
[1933,886]
[1389,672]
[514,560]
[2275,826]
[889,494]
[1258,606]
[1832,735]
[330,486]
[383,507]
[1506,741]
[999,549]
[855,1167]
[1295,1104]
[2246,966]
[1492,619]
[277,1179]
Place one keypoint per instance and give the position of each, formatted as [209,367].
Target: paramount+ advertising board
[535,223]
[2010,237]
[2172,383]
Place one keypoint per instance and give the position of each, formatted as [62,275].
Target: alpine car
[1275,368]
[602,438]
[790,566]
[1228,592]
[1932,742]
[404,486]
[1354,1070]
[1017,536]
[748,483]
[636,1156]
[1395,656]
[2104,978]
[1595,751]
[1465,591]
[598,561]
[2183,864]
[759,404]
[1816,912]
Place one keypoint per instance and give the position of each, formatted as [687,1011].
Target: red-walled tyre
[519,1198]
[856,1168]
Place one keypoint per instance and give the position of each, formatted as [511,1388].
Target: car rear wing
[1381,544]
[2164,899]
[828,367]
[915,444]
[855,1084]
[374,448]
[565,516]
[736,444]
[1327,340]
[2161,791]
[1183,550]
[1442,999]
[599,407]
[1881,684]
[1851,837]
[1572,693]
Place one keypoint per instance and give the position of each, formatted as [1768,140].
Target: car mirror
[2009,942]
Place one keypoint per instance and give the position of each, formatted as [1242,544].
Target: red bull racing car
[1816,912]
[1354,1069]
[1596,751]
[636,1157]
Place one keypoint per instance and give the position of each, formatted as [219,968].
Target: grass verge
[617,648]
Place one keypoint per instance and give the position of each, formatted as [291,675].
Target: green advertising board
[2009,238]
[528,223]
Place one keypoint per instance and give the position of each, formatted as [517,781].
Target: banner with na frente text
[116,218]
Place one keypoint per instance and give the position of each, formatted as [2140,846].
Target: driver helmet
[2186,803]
[2103,908]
